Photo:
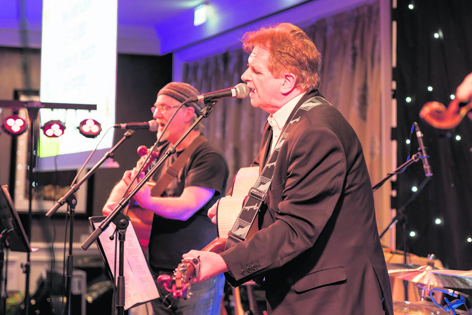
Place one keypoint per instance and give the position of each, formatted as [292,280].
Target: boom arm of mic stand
[123,202]
[76,187]
[105,223]
[415,158]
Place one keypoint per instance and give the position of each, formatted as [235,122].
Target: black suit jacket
[318,247]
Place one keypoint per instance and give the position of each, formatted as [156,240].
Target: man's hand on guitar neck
[117,193]
[211,265]
[109,207]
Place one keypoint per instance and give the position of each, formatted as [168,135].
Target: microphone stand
[72,202]
[415,158]
[33,114]
[3,281]
[401,216]
[122,221]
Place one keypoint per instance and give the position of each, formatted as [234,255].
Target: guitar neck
[216,246]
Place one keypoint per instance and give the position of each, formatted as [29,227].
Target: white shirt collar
[279,118]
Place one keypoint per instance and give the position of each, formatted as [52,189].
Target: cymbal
[417,308]
[431,275]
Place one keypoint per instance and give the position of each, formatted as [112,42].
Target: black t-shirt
[206,168]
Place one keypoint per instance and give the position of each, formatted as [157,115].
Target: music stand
[12,236]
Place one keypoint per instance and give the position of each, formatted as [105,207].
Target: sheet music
[140,286]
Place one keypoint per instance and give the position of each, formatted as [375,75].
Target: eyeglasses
[162,108]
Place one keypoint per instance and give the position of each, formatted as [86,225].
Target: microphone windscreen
[153,125]
[242,90]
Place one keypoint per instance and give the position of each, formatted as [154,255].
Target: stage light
[200,15]
[14,125]
[90,128]
[53,128]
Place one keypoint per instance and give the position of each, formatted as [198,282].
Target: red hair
[291,50]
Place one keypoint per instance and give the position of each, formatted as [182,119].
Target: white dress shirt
[279,119]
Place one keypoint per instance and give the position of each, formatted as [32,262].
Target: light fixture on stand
[90,128]
[53,128]
[14,125]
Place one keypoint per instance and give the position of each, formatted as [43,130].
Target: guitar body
[142,221]
[142,218]
[228,210]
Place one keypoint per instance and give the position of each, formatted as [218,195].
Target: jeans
[205,299]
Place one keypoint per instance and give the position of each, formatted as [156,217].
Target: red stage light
[90,128]
[14,125]
[53,128]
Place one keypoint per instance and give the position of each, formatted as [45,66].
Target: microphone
[241,90]
[151,125]
[424,159]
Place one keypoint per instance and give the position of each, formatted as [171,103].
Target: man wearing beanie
[180,221]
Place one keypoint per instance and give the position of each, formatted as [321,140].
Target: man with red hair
[318,248]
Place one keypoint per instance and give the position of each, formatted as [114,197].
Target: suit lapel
[305,98]
[264,149]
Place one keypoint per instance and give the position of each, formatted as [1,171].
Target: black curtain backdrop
[441,63]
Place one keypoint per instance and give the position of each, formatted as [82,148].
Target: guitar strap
[258,193]
[175,168]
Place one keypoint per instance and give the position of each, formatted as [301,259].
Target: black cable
[89,157]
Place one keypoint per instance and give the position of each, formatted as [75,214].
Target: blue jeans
[206,299]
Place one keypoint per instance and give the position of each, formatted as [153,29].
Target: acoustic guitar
[228,210]
[140,217]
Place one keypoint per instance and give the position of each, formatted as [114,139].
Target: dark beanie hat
[181,91]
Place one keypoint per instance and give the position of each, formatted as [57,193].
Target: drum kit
[433,283]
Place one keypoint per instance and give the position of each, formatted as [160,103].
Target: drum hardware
[417,308]
[429,305]
[431,280]
[430,275]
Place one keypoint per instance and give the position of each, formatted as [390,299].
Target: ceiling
[130,12]
[152,12]
[158,27]
[137,22]
[148,26]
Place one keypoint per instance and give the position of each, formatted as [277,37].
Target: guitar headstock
[143,151]
[179,285]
